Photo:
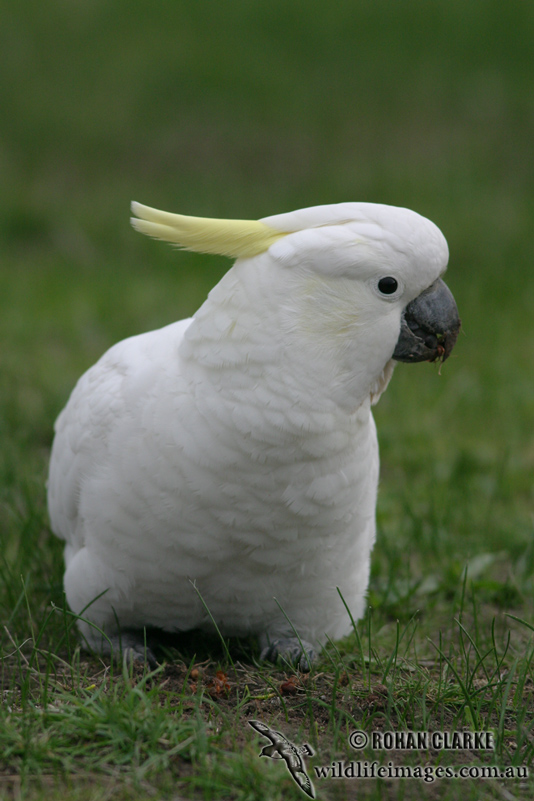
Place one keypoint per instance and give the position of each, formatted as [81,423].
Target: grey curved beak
[429,326]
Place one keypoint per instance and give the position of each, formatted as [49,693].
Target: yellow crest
[234,238]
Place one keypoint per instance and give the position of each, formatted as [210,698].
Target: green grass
[248,109]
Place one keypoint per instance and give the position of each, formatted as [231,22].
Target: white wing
[103,396]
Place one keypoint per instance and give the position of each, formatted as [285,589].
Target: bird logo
[282,748]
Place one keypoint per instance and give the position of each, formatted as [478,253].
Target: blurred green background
[248,108]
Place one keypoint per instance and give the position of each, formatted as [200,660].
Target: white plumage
[233,456]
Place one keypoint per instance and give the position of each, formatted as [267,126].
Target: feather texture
[234,455]
[234,238]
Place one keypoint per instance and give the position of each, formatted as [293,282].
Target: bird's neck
[248,340]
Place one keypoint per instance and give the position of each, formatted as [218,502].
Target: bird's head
[355,285]
[384,263]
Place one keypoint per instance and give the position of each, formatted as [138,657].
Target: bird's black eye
[388,285]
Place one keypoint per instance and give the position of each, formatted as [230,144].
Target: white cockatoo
[223,469]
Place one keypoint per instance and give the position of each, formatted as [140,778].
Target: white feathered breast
[233,456]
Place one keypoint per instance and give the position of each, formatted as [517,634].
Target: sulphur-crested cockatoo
[224,469]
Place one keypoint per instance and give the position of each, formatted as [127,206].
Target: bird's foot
[131,647]
[298,653]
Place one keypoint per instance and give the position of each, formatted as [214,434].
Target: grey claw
[141,655]
[131,646]
[298,653]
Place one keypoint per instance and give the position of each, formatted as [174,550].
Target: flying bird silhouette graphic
[282,748]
